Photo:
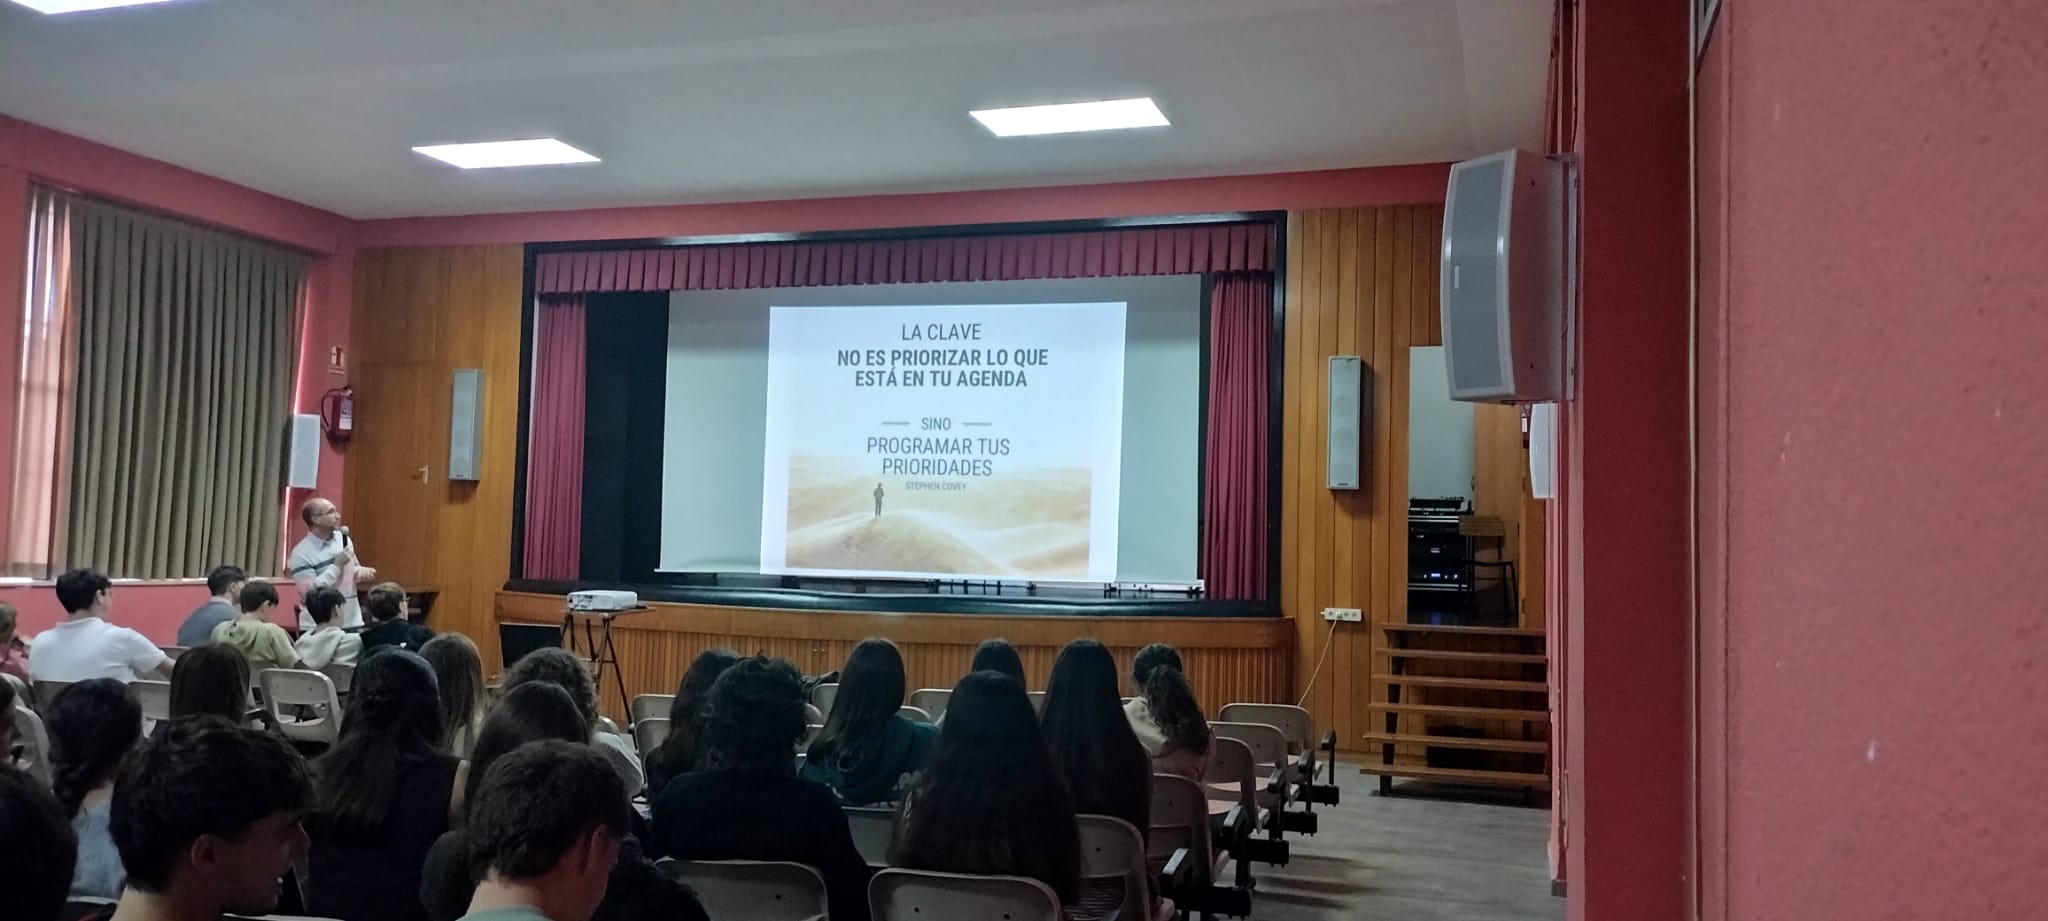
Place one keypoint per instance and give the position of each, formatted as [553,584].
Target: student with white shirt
[327,644]
[326,558]
[84,645]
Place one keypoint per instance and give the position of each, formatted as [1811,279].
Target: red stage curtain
[1234,488]
[554,456]
[1192,249]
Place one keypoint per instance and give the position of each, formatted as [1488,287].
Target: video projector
[603,600]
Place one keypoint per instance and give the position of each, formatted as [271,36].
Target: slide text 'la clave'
[940,332]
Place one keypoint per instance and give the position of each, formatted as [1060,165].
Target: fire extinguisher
[338,413]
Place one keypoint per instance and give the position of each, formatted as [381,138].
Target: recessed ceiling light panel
[1071,117]
[495,154]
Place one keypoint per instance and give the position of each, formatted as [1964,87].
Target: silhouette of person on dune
[878,500]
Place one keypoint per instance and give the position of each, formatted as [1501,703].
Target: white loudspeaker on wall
[1347,378]
[1503,279]
[1543,451]
[466,425]
[302,467]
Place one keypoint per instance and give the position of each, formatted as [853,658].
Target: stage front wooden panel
[1228,659]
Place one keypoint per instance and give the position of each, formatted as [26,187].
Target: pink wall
[33,153]
[1874,315]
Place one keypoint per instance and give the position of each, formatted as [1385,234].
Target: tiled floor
[1477,857]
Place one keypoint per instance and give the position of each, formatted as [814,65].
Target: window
[155,383]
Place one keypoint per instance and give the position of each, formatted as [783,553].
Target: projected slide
[968,441]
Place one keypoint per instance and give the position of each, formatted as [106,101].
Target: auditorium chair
[752,890]
[922,895]
[914,714]
[1113,850]
[34,741]
[649,733]
[343,676]
[155,697]
[1233,785]
[811,731]
[1037,701]
[297,687]
[873,827]
[1182,852]
[813,715]
[1269,753]
[822,697]
[931,700]
[1298,726]
[46,693]
[173,652]
[649,706]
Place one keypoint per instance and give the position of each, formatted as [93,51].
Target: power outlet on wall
[1348,615]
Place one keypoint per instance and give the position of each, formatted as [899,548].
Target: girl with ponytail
[93,726]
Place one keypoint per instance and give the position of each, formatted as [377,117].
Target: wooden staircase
[1463,705]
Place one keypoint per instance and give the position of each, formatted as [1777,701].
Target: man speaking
[326,558]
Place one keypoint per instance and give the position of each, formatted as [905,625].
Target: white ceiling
[320,101]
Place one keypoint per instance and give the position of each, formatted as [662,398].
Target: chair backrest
[931,700]
[1294,723]
[1112,849]
[922,895]
[343,676]
[46,692]
[752,890]
[873,827]
[294,688]
[1233,773]
[822,696]
[173,652]
[1180,819]
[649,706]
[649,733]
[1269,747]
[813,715]
[35,743]
[155,697]
[1037,701]
[914,714]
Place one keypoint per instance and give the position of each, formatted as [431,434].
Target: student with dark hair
[210,680]
[459,669]
[1148,660]
[1095,750]
[992,801]
[997,655]
[544,834]
[327,643]
[84,645]
[222,584]
[384,792]
[263,643]
[866,751]
[207,819]
[38,850]
[93,726]
[385,610]
[678,753]
[1184,732]
[561,668]
[13,652]
[745,802]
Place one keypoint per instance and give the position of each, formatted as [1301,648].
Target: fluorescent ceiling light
[52,7]
[1070,117]
[492,154]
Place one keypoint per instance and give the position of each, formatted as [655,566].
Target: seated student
[1092,744]
[210,680]
[84,645]
[1148,659]
[459,674]
[207,819]
[999,656]
[37,851]
[1185,738]
[992,801]
[745,802]
[677,754]
[13,652]
[544,834]
[93,726]
[866,753]
[262,643]
[384,792]
[326,644]
[561,668]
[385,610]
[223,584]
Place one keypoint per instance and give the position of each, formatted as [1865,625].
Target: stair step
[1477,713]
[1532,747]
[1470,655]
[1463,631]
[1475,684]
[1459,775]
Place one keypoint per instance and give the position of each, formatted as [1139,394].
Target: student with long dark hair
[211,680]
[1091,741]
[383,794]
[1149,659]
[561,668]
[678,754]
[997,655]
[459,677]
[93,727]
[992,801]
[866,750]
[38,850]
[1185,738]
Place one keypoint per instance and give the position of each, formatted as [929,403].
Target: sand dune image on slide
[1017,524]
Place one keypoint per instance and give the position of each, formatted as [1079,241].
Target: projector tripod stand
[603,653]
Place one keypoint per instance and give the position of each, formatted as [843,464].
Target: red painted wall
[33,153]
[1874,316]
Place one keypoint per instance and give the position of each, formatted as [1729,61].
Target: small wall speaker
[1502,282]
[466,425]
[1543,451]
[1347,379]
[302,466]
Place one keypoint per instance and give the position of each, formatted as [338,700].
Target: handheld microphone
[343,531]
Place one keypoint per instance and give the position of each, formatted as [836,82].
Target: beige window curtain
[159,359]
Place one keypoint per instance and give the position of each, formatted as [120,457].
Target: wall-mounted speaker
[1543,451]
[1502,285]
[466,425]
[1347,381]
[302,466]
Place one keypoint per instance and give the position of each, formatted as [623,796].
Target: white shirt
[89,647]
[312,566]
[329,645]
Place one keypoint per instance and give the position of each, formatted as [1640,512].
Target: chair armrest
[1276,782]
[1329,743]
[1174,877]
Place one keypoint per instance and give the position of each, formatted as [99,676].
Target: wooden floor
[1480,857]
